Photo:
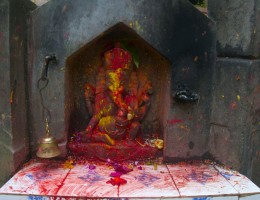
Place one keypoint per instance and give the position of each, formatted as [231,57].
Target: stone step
[57,179]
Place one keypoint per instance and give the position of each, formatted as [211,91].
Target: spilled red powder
[117,181]
[119,152]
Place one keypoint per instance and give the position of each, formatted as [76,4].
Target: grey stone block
[235,118]
[253,169]
[6,164]
[238,27]
[5,109]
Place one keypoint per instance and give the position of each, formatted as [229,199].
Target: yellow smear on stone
[111,141]
[106,120]
[115,80]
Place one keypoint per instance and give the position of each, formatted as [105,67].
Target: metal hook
[47,59]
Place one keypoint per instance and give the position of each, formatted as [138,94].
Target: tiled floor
[46,179]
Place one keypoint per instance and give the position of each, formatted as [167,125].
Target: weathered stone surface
[253,155]
[254,168]
[234,133]
[14,142]
[174,28]
[238,27]
[5,127]
[7,164]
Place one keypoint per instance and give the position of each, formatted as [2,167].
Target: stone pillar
[235,120]
[14,140]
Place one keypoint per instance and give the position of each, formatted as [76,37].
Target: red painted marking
[174,121]
[62,183]
[233,105]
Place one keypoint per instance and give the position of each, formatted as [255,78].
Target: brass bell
[48,147]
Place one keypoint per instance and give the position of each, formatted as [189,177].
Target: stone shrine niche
[117,96]
[174,28]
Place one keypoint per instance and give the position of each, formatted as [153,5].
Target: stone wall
[235,119]
[230,125]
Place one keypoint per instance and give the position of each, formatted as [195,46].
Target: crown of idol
[118,58]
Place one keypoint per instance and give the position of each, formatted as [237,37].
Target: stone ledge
[51,179]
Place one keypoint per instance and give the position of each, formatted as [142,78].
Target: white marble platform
[50,179]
